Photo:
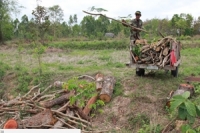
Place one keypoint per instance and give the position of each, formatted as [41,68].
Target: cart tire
[140,72]
[174,72]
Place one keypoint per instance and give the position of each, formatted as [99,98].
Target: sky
[149,8]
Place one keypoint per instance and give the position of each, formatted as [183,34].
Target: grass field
[138,102]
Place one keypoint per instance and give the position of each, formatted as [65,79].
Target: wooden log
[107,90]
[158,49]
[99,81]
[145,47]
[88,108]
[43,118]
[146,59]
[141,41]
[145,50]
[166,51]
[165,60]
[57,101]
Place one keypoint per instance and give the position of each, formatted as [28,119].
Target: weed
[138,120]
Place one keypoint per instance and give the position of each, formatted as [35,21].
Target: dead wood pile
[54,109]
[157,53]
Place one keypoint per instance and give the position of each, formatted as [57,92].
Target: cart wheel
[140,72]
[174,72]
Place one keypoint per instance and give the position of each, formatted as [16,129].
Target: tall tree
[88,26]
[71,21]
[183,23]
[6,8]
[42,20]
[56,16]
[75,19]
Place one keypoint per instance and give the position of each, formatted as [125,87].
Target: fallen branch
[63,107]
[115,20]
[42,92]
[75,118]
[83,76]
[31,90]
[34,111]
[66,123]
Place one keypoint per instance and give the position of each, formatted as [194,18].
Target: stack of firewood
[53,109]
[157,53]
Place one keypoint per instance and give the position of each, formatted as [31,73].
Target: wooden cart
[140,67]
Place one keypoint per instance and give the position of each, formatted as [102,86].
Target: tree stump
[181,89]
[107,90]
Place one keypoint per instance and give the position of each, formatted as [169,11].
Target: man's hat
[138,12]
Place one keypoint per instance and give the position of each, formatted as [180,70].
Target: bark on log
[43,118]
[88,108]
[57,101]
[107,90]
[99,81]
[81,114]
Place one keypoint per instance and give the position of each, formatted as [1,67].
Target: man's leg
[132,44]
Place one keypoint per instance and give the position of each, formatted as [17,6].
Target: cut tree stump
[107,90]
[58,100]
[99,81]
[181,89]
[88,108]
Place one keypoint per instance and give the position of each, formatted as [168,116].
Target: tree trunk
[107,90]
[57,101]
[99,81]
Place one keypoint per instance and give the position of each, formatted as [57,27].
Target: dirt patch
[113,116]
[9,82]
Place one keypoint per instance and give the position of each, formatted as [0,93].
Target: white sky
[149,8]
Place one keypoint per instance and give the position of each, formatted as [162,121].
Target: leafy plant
[186,109]
[136,50]
[188,129]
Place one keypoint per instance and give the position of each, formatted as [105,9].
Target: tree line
[90,26]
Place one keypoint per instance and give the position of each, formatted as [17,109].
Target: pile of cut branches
[69,107]
[158,53]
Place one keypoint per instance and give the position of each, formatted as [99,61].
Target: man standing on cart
[134,33]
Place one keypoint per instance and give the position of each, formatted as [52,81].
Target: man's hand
[124,21]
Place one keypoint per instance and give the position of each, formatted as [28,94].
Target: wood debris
[53,109]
